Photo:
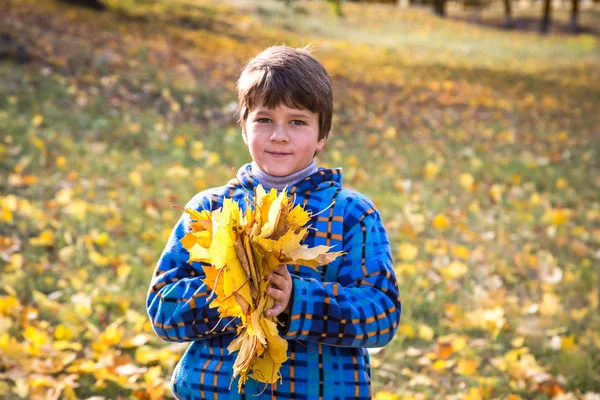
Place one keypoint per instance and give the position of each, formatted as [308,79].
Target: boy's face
[282,140]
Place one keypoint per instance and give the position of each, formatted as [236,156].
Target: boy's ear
[320,145]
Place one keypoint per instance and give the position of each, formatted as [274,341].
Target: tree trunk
[439,7]
[508,23]
[574,25]
[545,25]
[93,4]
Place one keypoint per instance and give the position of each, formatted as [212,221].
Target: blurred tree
[337,7]
[545,24]
[93,4]
[10,48]
[439,7]
[508,22]
[574,24]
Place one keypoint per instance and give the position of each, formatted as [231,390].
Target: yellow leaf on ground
[466,367]
[467,181]
[444,349]
[46,238]
[455,270]
[408,252]
[431,170]
[37,120]
[407,331]
[385,395]
[473,394]
[441,222]
[135,178]
[567,344]
[426,332]
[557,216]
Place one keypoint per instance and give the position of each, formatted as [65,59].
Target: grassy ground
[479,146]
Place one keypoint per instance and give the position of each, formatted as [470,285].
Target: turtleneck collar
[321,178]
[279,182]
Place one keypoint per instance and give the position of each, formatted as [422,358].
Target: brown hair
[282,74]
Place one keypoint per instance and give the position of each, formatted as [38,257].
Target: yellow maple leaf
[314,256]
[274,215]
[263,202]
[277,347]
[265,369]
[203,238]
[235,280]
[200,220]
[211,273]
[198,253]
[297,217]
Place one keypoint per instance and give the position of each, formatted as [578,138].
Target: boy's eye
[298,122]
[263,120]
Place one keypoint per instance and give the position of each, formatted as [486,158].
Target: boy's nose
[279,135]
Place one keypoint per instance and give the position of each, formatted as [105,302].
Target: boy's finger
[276,294]
[275,311]
[276,272]
[282,270]
[279,281]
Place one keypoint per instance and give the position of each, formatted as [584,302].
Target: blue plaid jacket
[337,311]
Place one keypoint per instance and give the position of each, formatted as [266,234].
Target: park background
[477,140]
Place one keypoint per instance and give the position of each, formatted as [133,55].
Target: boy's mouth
[278,153]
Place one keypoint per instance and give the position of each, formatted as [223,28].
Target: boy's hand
[280,290]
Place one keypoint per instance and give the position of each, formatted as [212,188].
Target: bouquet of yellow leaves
[243,248]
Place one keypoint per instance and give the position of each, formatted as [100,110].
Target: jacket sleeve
[362,308]
[177,301]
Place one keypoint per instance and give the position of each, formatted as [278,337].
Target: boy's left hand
[280,290]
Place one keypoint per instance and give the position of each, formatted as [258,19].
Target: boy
[328,315]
